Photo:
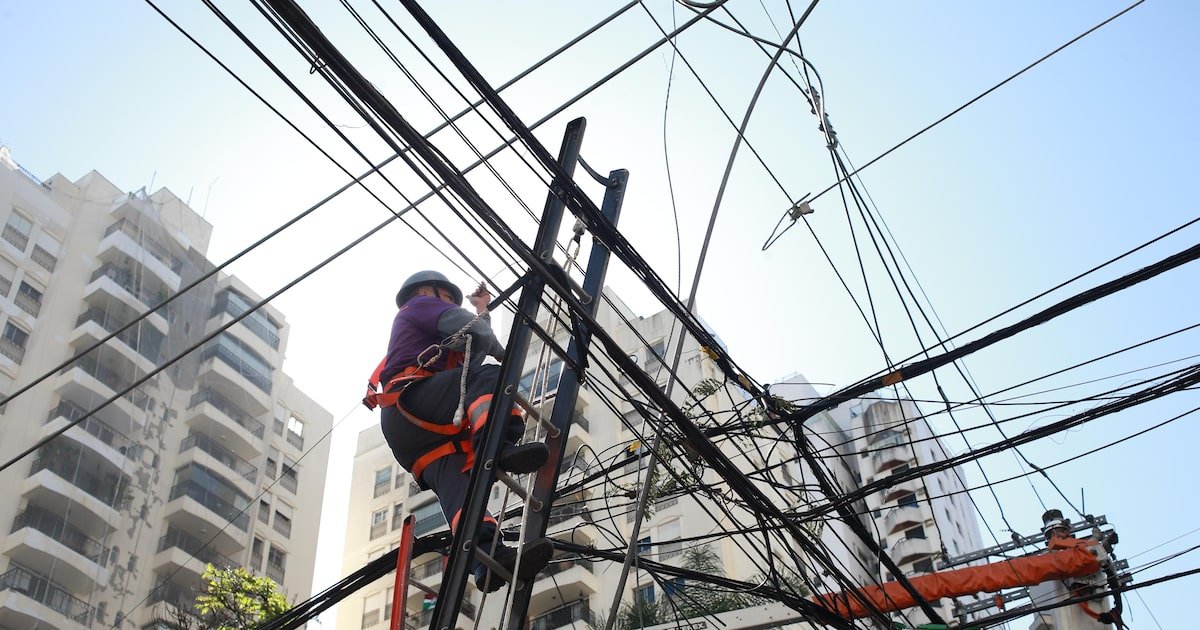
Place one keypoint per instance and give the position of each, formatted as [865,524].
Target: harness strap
[407,376]
[444,449]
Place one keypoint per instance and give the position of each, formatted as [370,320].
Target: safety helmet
[427,278]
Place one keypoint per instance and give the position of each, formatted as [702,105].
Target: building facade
[214,459]
[607,432]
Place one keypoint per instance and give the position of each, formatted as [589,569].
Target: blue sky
[1084,157]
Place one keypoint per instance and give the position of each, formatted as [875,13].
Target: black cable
[775,236]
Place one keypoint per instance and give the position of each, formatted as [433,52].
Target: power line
[777,234]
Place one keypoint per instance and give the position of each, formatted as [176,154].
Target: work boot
[523,458]
[536,556]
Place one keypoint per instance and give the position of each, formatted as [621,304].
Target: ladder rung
[530,411]
[493,566]
[421,586]
[535,504]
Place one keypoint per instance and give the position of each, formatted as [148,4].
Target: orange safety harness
[390,397]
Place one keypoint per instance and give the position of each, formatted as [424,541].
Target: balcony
[56,606]
[283,525]
[12,350]
[179,549]
[14,236]
[106,440]
[142,340]
[170,593]
[112,491]
[123,238]
[912,486]
[890,457]
[567,578]
[43,541]
[912,549]
[111,379]
[288,479]
[902,517]
[28,303]
[226,457]
[275,572]
[212,413]
[429,524]
[133,292]
[224,510]
[242,368]
[44,258]
[567,615]
[427,570]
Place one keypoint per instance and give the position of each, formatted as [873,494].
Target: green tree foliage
[233,599]
[689,600]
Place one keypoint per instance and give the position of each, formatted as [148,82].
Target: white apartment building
[916,522]
[574,592]
[213,460]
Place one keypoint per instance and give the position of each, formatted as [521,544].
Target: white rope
[462,385]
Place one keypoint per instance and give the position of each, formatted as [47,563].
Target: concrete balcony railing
[902,517]
[97,429]
[244,369]
[110,379]
[565,616]
[59,530]
[43,591]
[111,492]
[44,258]
[234,412]
[912,549]
[14,236]
[127,280]
[151,246]
[12,350]
[145,339]
[226,510]
[194,547]
[28,303]
[227,457]
[275,572]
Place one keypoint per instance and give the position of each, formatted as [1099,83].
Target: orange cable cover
[1072,559]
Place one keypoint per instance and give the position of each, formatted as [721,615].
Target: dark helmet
[427,278]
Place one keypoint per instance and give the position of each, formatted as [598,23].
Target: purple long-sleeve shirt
[426,320]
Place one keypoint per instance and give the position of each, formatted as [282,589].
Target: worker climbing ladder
[462,552]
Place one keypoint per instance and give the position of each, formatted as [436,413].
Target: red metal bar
[403,560]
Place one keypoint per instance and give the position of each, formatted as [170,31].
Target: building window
[399,478]
[643,546]
[256,554]
[271,469]
[12,344]
[264,510]
[397,516]
[916,532]
[378,523]
[654,357]
[644,594]
[28,299]
[283,523]
[383,481]
[17,230]
[429,517]
[295,432]
[907,500]
[923,566]
[288,476]
[532,381]
[276,563]
[258,321]
[673,586]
